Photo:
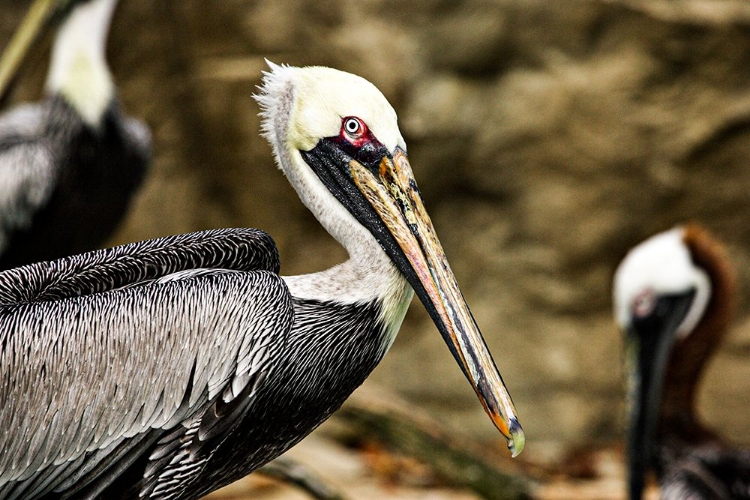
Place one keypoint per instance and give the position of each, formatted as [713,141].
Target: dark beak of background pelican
[391,191]
[648,343]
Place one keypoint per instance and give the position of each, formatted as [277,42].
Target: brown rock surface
[547,138]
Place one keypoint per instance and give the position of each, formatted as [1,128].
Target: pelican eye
[353,127]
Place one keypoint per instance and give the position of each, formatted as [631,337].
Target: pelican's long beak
[648,343]
[393,194]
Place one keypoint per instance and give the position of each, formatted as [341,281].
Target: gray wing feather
[92,383]
[240,249]
[27,169]
[100,349]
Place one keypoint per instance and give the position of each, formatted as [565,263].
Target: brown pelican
[168,368]
[673,296]
[69,164]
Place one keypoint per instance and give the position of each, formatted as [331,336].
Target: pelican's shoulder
[237,249]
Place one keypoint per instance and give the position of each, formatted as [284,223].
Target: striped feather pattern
[332,348]
[240,249]
[90,364]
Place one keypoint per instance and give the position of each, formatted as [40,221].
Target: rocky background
[547,138]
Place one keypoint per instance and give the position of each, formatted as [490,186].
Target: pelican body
[673,296]
[169,368]
[70,164]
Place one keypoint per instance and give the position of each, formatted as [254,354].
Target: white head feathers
[313,100]
[301,106]
[662,264]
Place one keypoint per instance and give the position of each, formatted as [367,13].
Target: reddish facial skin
[357,140]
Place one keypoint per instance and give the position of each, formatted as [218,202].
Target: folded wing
[142,349]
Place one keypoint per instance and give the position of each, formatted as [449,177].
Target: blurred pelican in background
[70,164]
[673,297]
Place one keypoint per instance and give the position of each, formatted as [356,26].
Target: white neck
[78,70]
[350,282]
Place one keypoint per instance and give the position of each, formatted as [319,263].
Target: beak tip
[517,439]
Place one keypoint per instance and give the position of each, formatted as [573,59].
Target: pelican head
[336,138]
[660,295]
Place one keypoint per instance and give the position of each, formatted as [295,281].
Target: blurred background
[547,139]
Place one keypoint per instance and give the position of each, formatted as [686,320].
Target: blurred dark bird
[70,164]
[169,368]
[673,298]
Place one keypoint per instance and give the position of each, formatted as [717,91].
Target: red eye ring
[353,127]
